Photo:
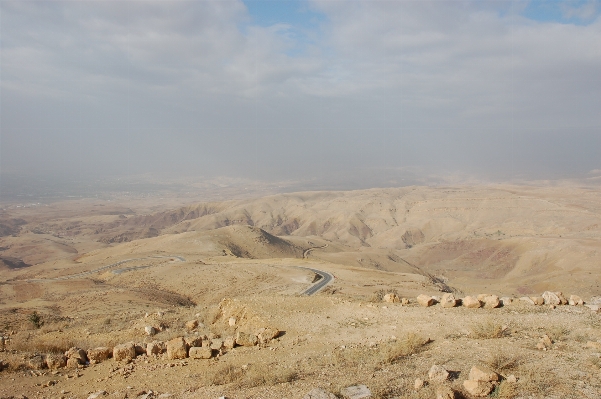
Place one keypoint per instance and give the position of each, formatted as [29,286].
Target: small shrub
[504,390]
[263,374]
[557,332]
[501,362]
[225,374]
[36,320]
[488,330]
[406,346]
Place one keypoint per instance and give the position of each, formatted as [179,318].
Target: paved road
[325,279]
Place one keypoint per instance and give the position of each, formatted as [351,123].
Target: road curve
[326,278]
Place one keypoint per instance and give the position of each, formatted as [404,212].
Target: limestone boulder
[355,392]
[538,300]
[425,300]
[575,300]
[216,344]
[124,352]
[481,373]
[77,353]
[150,330]
[155,348]
[438,374]
[392,298]
[55,361]
[471,302]
[229,342]
[177,349]
[99,354]
[73,363]
[478,388]
[448,300]
[265,335]
[204,352]
[37,362]
[527,300]
[481,297]
[491,301]
[246,339]
[550,298]
[404,301]
[506,301]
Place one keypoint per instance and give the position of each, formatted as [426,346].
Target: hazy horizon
[331,92]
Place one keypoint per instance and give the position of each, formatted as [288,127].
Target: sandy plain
[181,261]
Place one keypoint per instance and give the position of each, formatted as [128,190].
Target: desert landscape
[436,292]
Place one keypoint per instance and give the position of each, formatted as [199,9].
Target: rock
[229,342]
[73,363]
[544,343]
[448,300]
[527,300]
[216,344]
[438,373]
[491,302]
[37,362]
[204,352]
[192,324]
[98,355]
[177,349]
[575,300]
[150,330]
[538,300]
[155,348]
[478,388]
[193,341]
[245,339]
[511,379]
[77,353]
[550,298]
[98,394]
[595,300]
[506,301]
[562,299]
[232,321]
[593,345]
[419,384]
[480,373]
[404,301]
[355,392]
[471,302]
[392,298]
[481,297]
[55,360]
[265,335]
[593,307]
[425,300]
[124,352]
[319,393]
[445,392]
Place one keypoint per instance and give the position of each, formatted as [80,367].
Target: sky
[276,90]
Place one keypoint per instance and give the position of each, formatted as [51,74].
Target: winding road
[322,282]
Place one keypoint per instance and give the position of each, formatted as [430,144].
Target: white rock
[355,392]
[150,330]
[438,373]
[319,393]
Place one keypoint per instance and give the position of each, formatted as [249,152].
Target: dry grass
[557,332]
[224,374]
[502,362]
[405,346]
[541,382]
[488,329]
[505,390]
[264,374]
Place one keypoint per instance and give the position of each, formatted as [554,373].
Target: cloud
[119,87]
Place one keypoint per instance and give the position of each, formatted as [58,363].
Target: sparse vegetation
[36,320]
[502,362]
[405,346]
[267,374]
[488,329]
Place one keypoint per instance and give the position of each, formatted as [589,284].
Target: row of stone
[449,300]
[177,348]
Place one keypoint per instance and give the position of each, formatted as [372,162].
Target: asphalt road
[326,278]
